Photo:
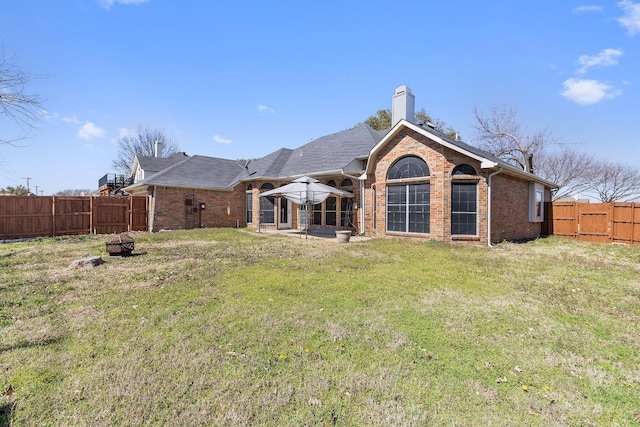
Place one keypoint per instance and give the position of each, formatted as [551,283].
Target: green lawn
[230,327]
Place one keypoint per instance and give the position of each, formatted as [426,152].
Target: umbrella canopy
[306,190]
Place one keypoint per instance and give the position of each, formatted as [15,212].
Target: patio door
[284,215]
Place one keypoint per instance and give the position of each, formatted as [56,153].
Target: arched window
[464,201]
[346,183]
[409,205]
[249,203]
[463,169]
[267,206]
[408,167]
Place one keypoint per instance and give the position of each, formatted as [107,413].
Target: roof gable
[486,159]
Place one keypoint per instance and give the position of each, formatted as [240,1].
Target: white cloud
[631,18]
[587,8]
[108,3]
[263,108]
[605,58]
[90,131]
[221,140]
[73,119]
[587,92]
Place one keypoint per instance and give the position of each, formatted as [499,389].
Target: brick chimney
[158,149]
[403,105]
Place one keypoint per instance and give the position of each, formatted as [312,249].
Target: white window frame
[536,202]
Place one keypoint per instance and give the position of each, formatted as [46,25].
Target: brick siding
[223,209]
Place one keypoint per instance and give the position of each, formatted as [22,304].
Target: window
[249,203]
[316,214]
[464,201]
[346,204]
[464,214]
[408,205]
[408,167]
[330,205]
[267,206]
[536,202]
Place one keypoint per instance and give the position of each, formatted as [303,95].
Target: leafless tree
[15,103]
[616,182]
[142,143]
[572,170]
[499,132]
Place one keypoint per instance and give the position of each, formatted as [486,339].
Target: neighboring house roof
[486,159]
[152,164]
[199,172]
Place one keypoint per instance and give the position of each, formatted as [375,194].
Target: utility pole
[36,189]
[28,178]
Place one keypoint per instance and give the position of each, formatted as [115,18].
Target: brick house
[408,181]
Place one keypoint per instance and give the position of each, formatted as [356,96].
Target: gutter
[489,206]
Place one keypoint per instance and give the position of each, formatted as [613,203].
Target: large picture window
[267,206]
[464,201]
[464,216]
[408,204]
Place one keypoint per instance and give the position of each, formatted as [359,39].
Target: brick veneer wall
[223,208]
[509,205]
[510,209]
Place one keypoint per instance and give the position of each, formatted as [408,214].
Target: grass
[229,327]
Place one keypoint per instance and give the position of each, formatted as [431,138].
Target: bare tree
[573,171]
[15,103]
[142,143]
[616,182]
[499,132]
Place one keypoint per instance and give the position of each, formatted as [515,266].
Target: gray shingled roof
[154,164]
[200,172]
[328,153]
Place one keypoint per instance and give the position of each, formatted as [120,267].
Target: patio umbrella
[306,191]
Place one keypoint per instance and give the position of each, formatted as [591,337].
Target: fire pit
[120,245]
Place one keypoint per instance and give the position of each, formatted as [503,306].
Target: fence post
[53,216]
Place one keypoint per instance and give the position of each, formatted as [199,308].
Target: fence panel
[617,222]
[594,222]
[46,216]
[110,215]
[25,216]
[71,215]
[626,223]
[139,213]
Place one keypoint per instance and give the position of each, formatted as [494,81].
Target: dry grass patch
[229,327]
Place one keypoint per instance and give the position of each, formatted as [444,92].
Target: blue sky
[242,79]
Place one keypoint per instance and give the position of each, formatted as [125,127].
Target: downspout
[489,206]
[153,209]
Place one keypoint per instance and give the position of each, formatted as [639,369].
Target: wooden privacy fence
[617,222]
[48,216]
